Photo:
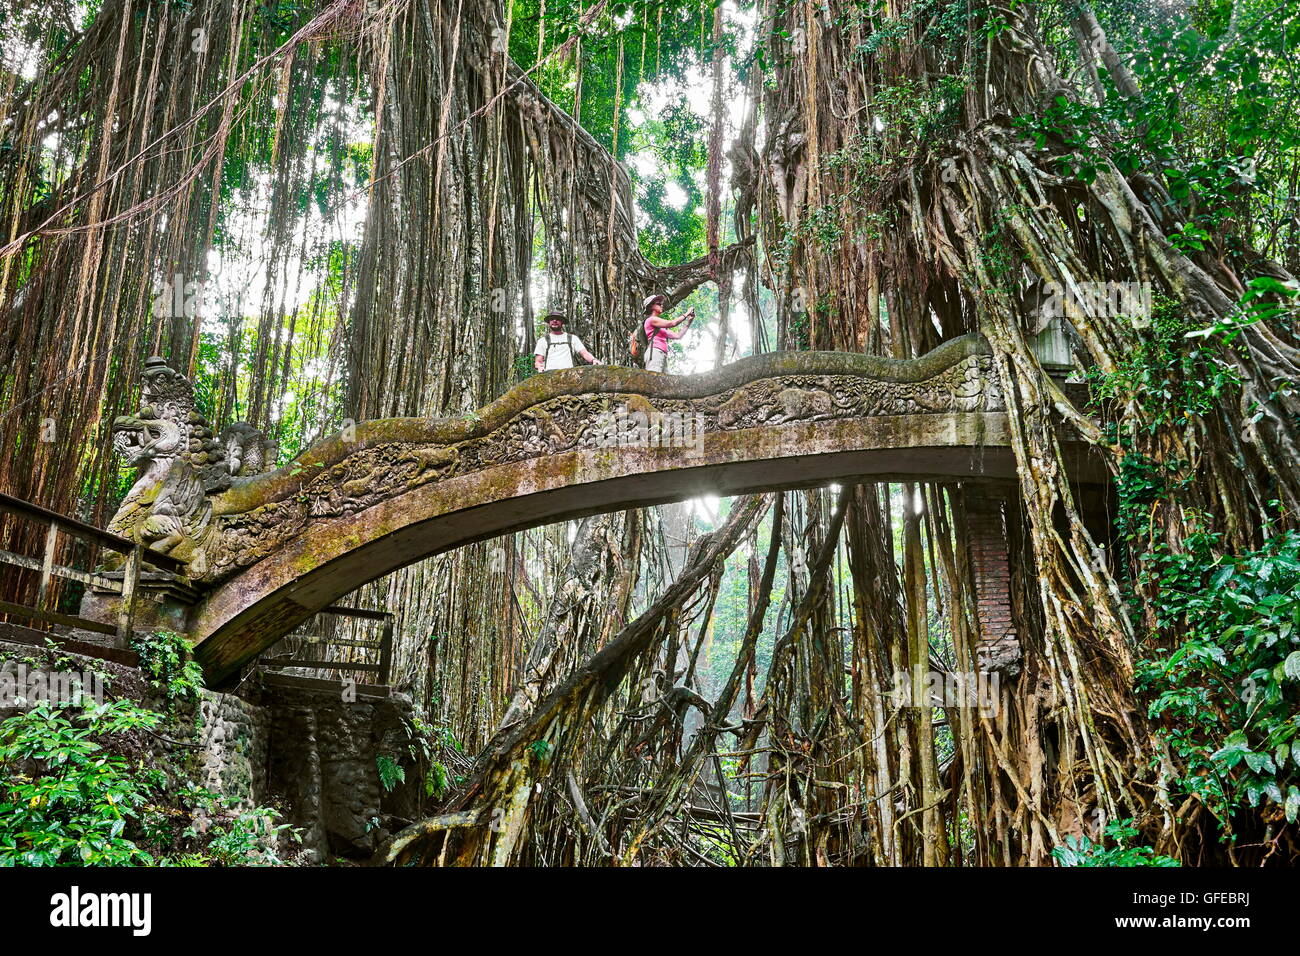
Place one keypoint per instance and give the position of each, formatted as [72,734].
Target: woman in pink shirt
[659,330]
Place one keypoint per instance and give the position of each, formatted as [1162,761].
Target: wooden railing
[56,525]
[318,644]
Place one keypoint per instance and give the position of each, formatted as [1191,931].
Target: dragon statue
[180,463]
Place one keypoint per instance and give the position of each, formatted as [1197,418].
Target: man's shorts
[656,361]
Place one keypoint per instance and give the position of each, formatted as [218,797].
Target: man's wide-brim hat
[555,315]
[651,300]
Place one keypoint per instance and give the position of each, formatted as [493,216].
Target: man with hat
[659,330]
[557,347]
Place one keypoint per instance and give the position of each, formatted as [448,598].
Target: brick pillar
[998,647]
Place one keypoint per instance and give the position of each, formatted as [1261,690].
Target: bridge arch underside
[248,612]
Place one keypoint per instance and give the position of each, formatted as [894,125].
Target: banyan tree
[339,211]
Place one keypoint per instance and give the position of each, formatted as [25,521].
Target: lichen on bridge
[267,551]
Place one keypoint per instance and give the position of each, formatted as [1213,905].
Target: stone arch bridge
[266,551]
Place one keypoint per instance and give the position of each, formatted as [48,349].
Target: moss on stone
[246,494]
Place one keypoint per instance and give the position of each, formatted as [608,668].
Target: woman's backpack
[637,343]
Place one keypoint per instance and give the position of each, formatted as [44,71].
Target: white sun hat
[649,300]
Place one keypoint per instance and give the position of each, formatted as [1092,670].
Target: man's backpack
[568,341]
[637,344]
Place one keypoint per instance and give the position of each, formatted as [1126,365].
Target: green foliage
[167,660]
[1227,695]
[917,115]
[427,744]
[660,44]
[671,234]
[1213,117]
[886,36]
[69,799]
[1171,376]
[66,801]
[524,366]
[391,773]
[541,750]
[1219,669]
[207,829]
[1266,299]
[247,839]
[1068,127]
[437,781]
[800,332]
[996,254]
[1080,851]
[825,224]
[1141,484]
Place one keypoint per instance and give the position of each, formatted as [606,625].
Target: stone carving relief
[247,450]
[183,466]
[180,464]
[567,423]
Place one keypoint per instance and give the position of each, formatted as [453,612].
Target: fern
[391,773]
